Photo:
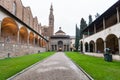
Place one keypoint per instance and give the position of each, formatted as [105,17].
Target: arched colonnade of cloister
[18,39]
[97,46]
[12,33]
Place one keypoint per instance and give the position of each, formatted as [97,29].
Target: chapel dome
[60,32]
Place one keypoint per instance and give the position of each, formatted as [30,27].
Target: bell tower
[51,21]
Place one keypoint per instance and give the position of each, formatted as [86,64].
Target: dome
[60,32]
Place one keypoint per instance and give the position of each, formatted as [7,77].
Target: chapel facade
[60,41]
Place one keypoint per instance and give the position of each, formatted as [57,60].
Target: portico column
[83,43]
[34,41]
[95,47]
[104,44]
[94,28]
[88,48]
[0,28]
[119,44]
[88,32]
[118,19]
[103,23]
[18,37]
[28,40]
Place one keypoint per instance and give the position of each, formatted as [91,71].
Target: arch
[60,45]
[92,46]
[112,43]
[40,42]
[23,35]
[36,39]
[100,45]
[86,47]
[9,29]
[31,38]
[81,46]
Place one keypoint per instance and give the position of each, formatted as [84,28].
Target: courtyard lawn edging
[11,66]
[96,67]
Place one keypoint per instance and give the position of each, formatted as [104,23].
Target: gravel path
[56,67]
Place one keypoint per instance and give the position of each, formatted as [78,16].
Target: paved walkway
[56,67]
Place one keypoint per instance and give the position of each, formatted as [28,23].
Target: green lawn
[97,67]
[11,66]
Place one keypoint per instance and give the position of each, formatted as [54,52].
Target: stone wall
[18,49]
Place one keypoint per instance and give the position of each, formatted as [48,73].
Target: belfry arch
[112,43]
[9,30]
[23,32]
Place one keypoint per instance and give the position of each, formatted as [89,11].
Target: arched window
[14,8]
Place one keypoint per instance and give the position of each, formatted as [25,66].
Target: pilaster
[103,23]
[118,19]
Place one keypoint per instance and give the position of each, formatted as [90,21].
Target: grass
[11,66]
[97,67]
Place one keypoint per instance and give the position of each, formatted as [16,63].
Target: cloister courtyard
[57,66]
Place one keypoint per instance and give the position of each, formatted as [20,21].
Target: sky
[67,13]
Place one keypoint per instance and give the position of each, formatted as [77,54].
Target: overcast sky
[67,13]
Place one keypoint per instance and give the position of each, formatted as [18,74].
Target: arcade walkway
[56,67]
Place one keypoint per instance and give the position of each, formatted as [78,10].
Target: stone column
[0,29]
[83,44]
[95,47]
[118,19]
[34,41]
[94,28]
[103,23]
[28,40]
[88,32]
[18,37]
[119,44]
[104,44]
[88,47]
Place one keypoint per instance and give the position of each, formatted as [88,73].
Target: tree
[90,19]
[77,38]
[83,25]
[97,15]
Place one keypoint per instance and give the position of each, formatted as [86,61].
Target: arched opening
[86,47]
[100,45]
[92,46]
[81,46]
[36,40]
[112,43]
[60,45]
[39,42]
[31,38]
[23,35]
[9,30]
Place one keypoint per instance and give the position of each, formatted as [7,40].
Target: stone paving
[56,67]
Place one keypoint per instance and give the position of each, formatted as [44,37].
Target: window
[14,8]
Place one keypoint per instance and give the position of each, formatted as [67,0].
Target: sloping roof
[59,31]
[106,14]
